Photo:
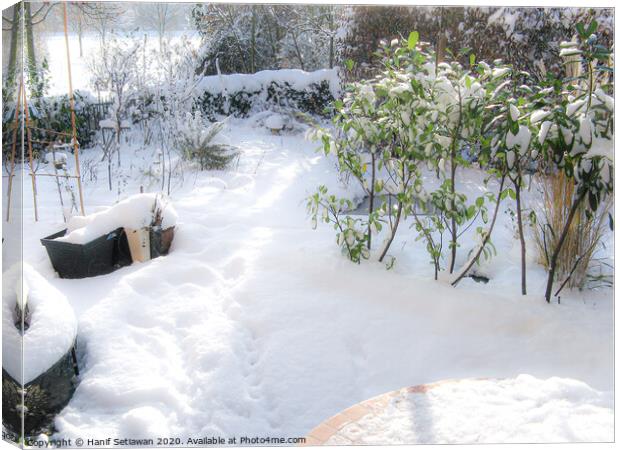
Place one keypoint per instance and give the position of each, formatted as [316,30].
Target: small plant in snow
[350,232]
[196,142]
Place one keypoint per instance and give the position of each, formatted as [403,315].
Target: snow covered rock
[52,326]
[135,212]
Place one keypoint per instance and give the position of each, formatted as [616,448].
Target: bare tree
[116,69]
[158,16]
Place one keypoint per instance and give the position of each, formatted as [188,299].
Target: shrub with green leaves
[420,114]
[575,131]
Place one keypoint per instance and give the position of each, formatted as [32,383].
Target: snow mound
[53,326]
[133,212]
[519,410]
[259,81]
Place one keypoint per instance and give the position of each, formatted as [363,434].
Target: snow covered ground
[256,325]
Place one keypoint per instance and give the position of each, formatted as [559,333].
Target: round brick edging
[332,426]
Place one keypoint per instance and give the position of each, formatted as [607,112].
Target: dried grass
[584,235]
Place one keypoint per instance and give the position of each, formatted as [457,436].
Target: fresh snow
[259,81]
[539,115]
[518,410]
[53,326]
[256,324]
[521,140]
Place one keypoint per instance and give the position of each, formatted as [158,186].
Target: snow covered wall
[242,94]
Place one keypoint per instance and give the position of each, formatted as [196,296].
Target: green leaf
[485,216]
[512,194]
[349,63]
[468,82]
[581,30]
[472,60]
[479,202]
[592,28]
[471,211]
[413,40]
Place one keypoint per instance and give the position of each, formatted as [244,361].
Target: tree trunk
[473,260]
[396,222]
[453,225]
[15,25]
[253,42]
[32,61]
[558,248]
[371,197]
[79,32]
[517,185]
[298,52]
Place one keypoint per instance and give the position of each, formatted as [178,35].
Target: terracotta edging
[329,428]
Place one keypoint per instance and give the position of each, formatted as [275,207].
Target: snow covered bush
[196,141]
[506,140]
[420,115]
[54,114]
[415,115]
[576,138]
[174,95]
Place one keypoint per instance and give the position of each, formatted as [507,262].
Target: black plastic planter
[97,257]
[43,397]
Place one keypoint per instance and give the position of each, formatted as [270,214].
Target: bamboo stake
[32,173]
[62,203]
[13,149]
[72,105]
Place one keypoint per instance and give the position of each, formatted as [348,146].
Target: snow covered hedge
[54,113]
[241,94]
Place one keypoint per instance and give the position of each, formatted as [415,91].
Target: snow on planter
[148,221]
[45,368]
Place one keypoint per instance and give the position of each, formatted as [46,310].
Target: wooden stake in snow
[72,106]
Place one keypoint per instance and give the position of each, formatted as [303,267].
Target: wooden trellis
[22,104]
